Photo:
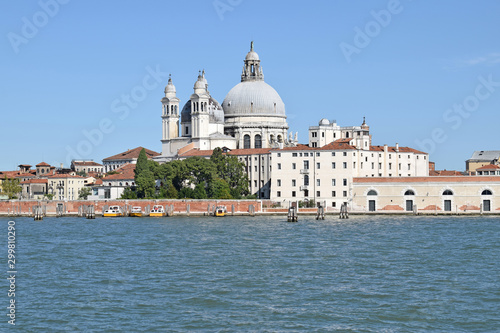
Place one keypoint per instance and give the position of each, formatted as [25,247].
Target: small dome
[215,111]
[170,88]
[324,121]
[252,55]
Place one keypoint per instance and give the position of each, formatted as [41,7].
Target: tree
[81,173]
[144,177]
[186,193]
[11,187]
[200,192]
[232,171]
[218,189]
[128,193]
[171,192]
[84,193]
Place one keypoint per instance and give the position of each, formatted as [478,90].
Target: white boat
[113,211]
[157,211]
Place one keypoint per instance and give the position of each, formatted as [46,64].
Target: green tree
[11,187]
[128,193]
[144,177]
[200,192]
[186,193]
[49,196]
[218,189]
[232,171]
[84,193]
[82,173]
[171,192]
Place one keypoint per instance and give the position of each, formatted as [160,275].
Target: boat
[220,211]
[136,211]
[113,211]
[157,211]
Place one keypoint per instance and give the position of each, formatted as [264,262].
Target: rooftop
[132,154]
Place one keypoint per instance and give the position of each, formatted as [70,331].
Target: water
[261,274]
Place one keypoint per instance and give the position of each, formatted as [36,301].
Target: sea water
[259,274]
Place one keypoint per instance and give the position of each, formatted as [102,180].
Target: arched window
[306,180]
[447,192]
[271,138]
[409,192]
[486,192]
[258,141]
[372,192]
[280,139]
[246,141]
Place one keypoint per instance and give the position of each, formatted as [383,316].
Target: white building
[111,187]
[324,174]
[251,116]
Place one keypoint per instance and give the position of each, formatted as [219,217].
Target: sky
[84,79]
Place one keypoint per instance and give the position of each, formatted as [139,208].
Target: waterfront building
[452,194]
[481,158]
[324,174]
[111,187]
[130,156]
[36,188]
[488,170]
[252,116]
[65,186]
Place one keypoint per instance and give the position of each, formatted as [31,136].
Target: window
[294,194]
[333,153]
[278,194]
[314,134]
[246,141]
[306,154]
[317,154]
[294,166]
[278,182]
[279,166]
[255,167]
[373,165]
[322,134]
[447,192]
[294,182]
[345,165]
[279,154]
[306,165]
[333,182]
[345,153]
[399,166]
[255,183]
[334,194]
[318,182]
[258,141]
[380,165]
[318,193]
[318,165]
[344,193]
[486,192]
[409,192]
[372,192]
[306,180]
[390,166]
[344,182]
[333,165]
[187,130]
[390,156]
[409,166]
[334,204]
[294,154]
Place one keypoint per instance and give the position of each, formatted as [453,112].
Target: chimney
[397,147]
[385,148]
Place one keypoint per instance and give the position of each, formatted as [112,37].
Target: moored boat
[136,211]
[157,211]
[220,211]
[113,211]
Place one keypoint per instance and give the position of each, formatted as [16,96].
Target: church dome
[253,98]
[215,111]
[324,121]
[252,55]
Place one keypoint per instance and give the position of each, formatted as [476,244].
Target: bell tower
[252,71]
[170,112]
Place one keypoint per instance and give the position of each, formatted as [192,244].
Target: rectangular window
[344,193]
[373,165]
[294,154]
[306,165]
[380,165]
[255,183]
[279,154]
[279,166]
[333,165]
[334,204]
[294,194]
[399,166]
[344,182]
[409,166]
[333,182]
[345,153]
[345,165]
[306,154]
[334,194]
[318,165]
[278,194]
[317,154]
[294,182]
[279,182]
[255,167]
[323,134]
[318,182]
[390,166]
[333,153]
[318,193]
[294,166]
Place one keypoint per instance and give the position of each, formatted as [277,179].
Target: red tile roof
[429,179]
[86,163]
[489,167]
[42,164]
[62,175]
[125,172]
[132,154]
[35,181]
[393,149]
[445,173]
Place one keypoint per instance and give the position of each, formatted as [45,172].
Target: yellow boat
[220,211]
[136,212]
[113,211]
[157,211]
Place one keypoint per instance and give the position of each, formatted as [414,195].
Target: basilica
[251,116]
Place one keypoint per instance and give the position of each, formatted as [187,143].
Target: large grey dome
[250,98]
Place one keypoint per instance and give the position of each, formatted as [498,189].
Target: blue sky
[425,74]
